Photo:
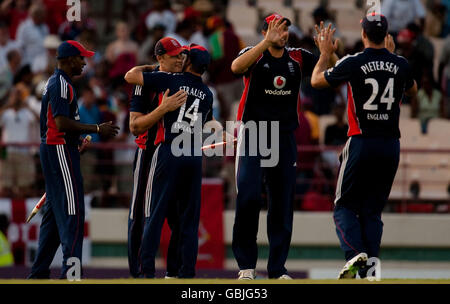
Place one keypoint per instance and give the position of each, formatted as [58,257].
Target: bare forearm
[65,124]
[140,124]
[332,61]
[134,76]
[241,64]
[318,78]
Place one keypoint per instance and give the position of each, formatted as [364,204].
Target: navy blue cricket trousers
[63,219]
[141,168]
[368,168]
[280,186]
[174,185]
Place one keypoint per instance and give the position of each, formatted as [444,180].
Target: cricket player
[376,81]
[63,219]
[145,112]
[174,182]
[272,75]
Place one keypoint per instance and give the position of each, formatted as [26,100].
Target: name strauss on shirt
[193,92]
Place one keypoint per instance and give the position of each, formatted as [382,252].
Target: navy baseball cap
[375,24]
[199,56]
[168,45]
[275,16]
[71,48]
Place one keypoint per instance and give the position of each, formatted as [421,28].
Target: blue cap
[199,56]
[71,48]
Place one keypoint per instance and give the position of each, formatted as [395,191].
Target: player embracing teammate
[146,109]
[174,182]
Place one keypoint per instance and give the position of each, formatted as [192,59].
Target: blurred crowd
[31,30]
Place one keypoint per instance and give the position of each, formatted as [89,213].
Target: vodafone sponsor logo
[279,82]
[277,92]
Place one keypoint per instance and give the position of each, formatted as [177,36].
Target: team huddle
[171,99]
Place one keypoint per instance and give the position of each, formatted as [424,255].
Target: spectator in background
[183,32]
[399,13]
[419,59]
[56,14]
[31,34]
[46,62]
[89,114]
[429,102]
[16,120]
[70,30]
[7,74]
[123,156]
[224,47]
[147,49]
[6,44]
[161,13]
[198,37]
[422,44]
[121,54]
[14,12]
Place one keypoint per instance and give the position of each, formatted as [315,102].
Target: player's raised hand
[173,102]
[389,43]
[107,129]
[274,31]
[318,29]
[325,41]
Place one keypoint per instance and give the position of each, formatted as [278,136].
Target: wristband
[98,129]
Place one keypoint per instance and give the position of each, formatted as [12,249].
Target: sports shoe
[169,278]
[247,274]
[351,267]
[285,277]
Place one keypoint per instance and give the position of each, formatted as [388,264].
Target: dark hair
[200,69]
[376,37]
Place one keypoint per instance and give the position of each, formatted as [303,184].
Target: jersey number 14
[387,96]
[191,112]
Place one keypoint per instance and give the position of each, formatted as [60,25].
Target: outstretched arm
[333,58]
[327,48]
[134,76]
[241,64]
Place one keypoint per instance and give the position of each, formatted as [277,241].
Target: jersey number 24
[387,96]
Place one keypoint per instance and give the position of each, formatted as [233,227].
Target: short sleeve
[306,59]
[340,73]
[156,80]
[244,50]
[137,100]
[60,97]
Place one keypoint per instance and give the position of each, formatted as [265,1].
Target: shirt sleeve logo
[279,82]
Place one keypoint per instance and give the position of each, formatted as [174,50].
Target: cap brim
[175,52]
[266,24]
[87,54]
